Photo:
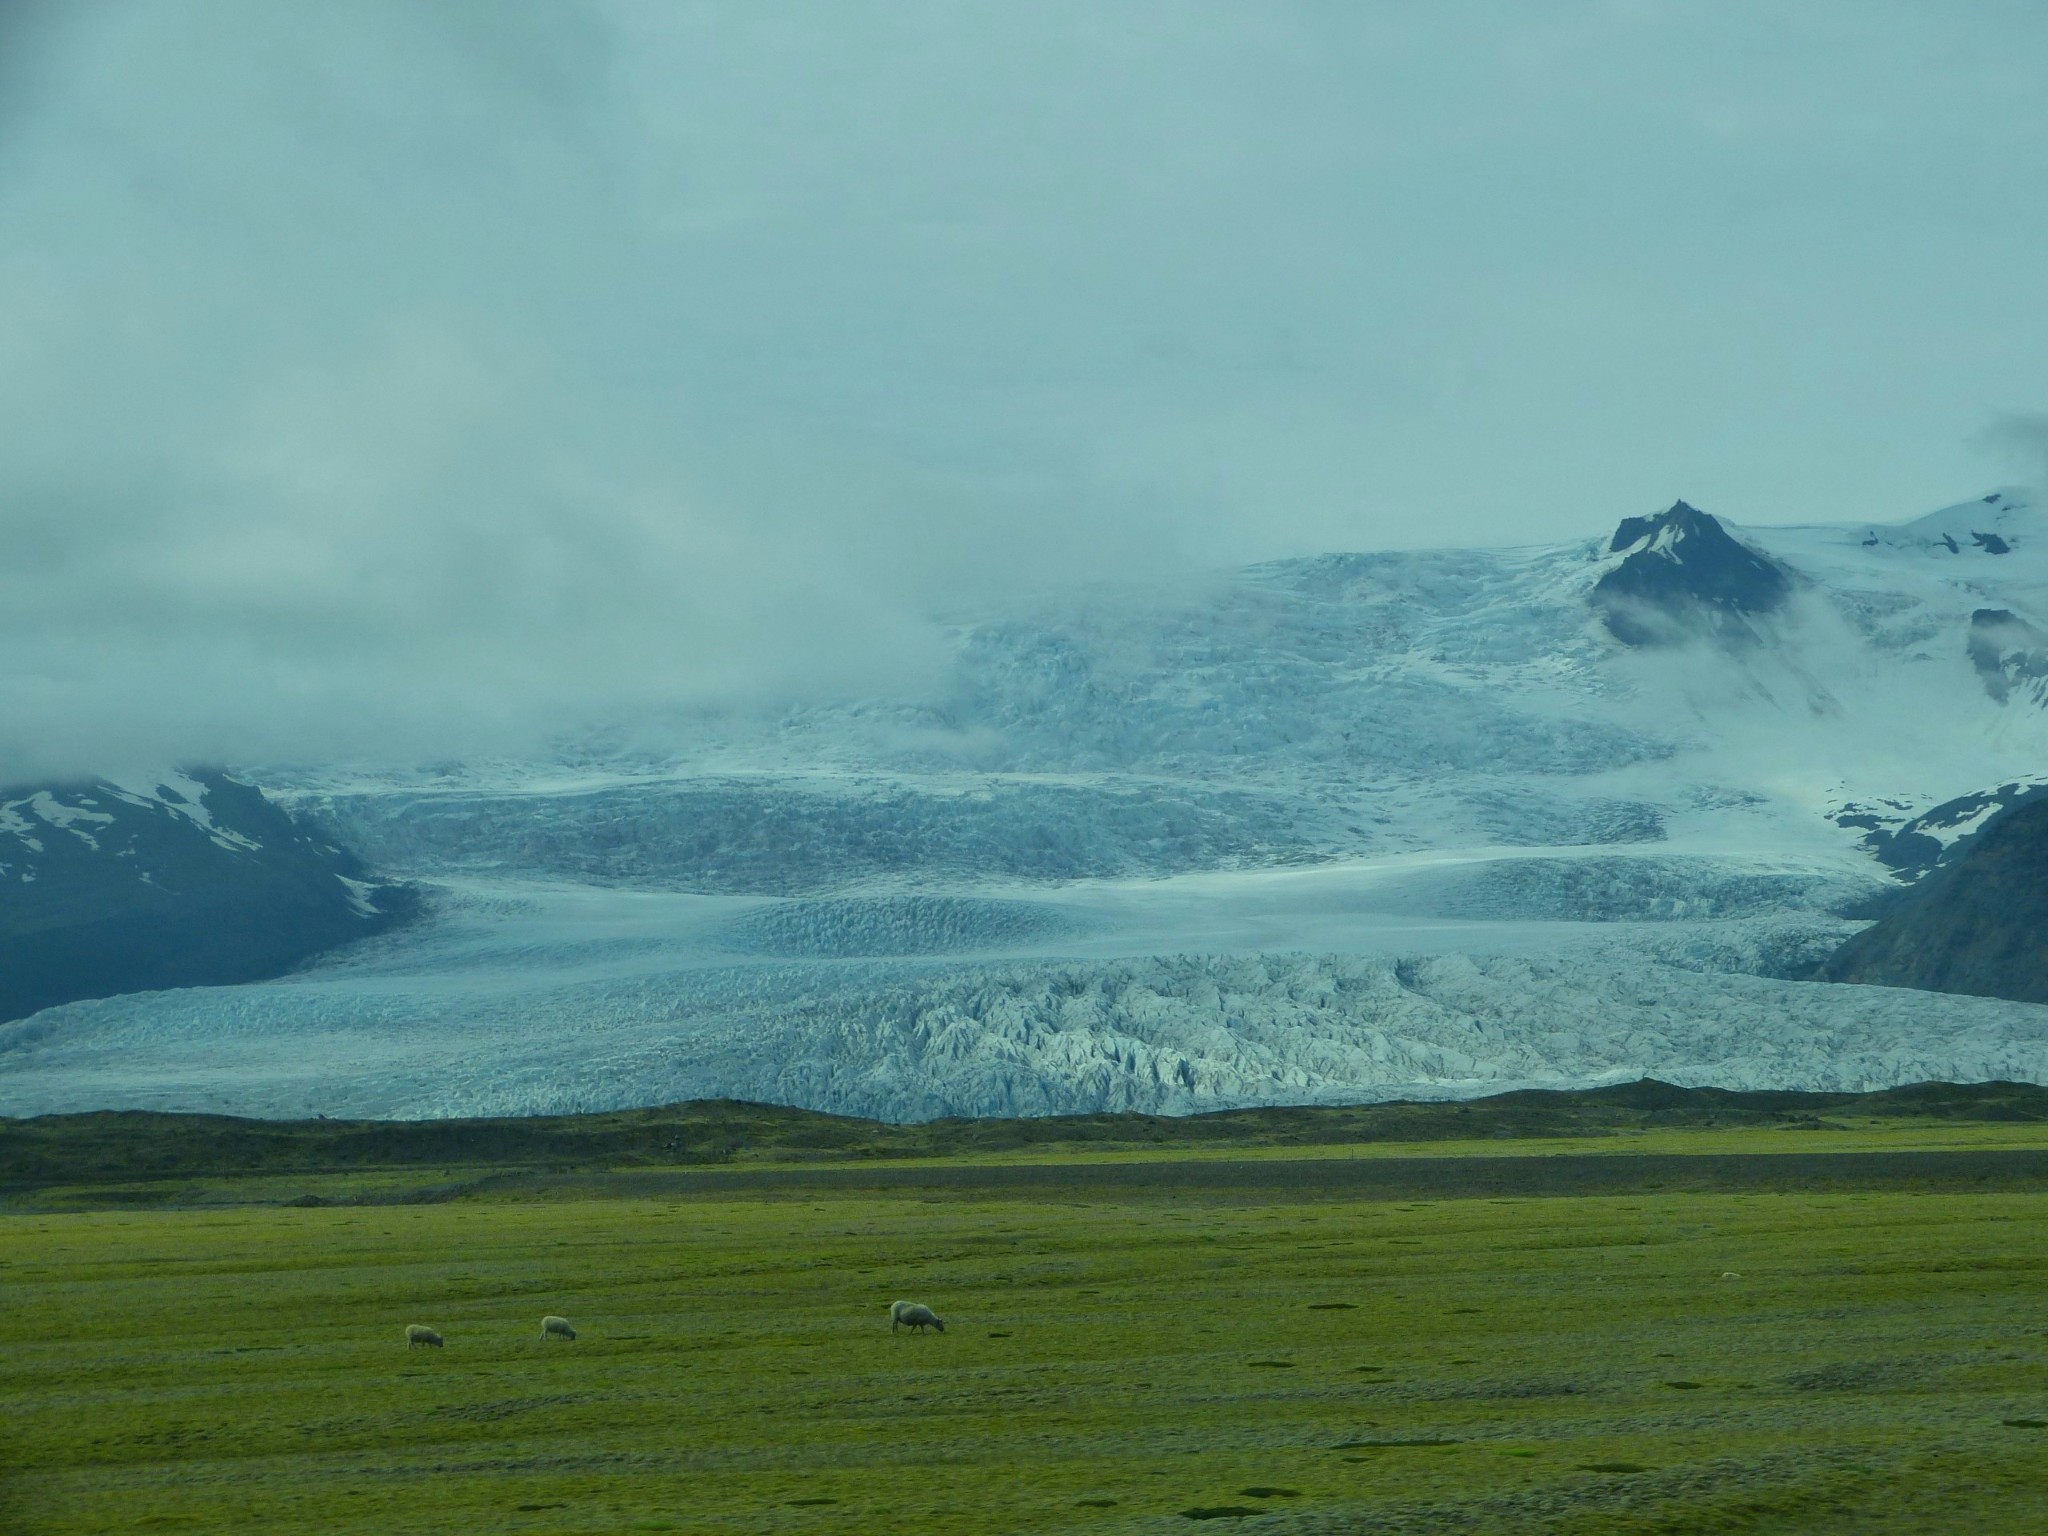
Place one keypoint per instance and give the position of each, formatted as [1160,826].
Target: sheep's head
[938,1325]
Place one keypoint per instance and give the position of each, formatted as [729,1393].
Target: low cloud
[401,380]
[2018,441]
[378,383]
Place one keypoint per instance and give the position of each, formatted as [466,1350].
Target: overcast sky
[408,377]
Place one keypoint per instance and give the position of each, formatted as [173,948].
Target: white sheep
[913,1314]
[420,1333]
[552,1327]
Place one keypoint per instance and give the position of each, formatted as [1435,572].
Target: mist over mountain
[1682,578]
[1330,829]
[929,557]
[403,382]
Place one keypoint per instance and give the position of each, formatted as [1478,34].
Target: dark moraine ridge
[142,1146]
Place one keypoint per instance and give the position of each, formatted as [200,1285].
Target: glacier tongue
[907,1042]
[540,1000]
[1338,828]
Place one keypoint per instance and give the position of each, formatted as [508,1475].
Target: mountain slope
[1977,926]
[197,882]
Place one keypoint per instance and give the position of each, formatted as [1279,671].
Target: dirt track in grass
[1364,1178]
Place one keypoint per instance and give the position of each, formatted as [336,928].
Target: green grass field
[1148,1361]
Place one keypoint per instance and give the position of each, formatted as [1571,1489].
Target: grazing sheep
[913,1314]
[552,1327]
[420,1333]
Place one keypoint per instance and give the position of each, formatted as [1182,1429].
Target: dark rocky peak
[1682,521]
[1684,577]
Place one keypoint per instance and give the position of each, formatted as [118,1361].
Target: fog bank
[402,379]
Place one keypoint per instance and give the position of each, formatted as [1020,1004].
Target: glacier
[562,1002]
[1334,829]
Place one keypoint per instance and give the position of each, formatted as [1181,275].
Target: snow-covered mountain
[1559,813]
[189,880]
[1343,707]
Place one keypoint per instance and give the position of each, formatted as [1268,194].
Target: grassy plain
[1115,1361]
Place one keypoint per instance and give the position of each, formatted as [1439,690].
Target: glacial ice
[909,1041]
[1333,829]
[851,927]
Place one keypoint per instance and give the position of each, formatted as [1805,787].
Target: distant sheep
[552,1327]
[420,1333]
[913,1314]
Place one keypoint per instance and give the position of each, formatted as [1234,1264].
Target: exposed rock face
[2009,653]
[1978,925]
[1917,845]
[1684,578]
[107,889]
